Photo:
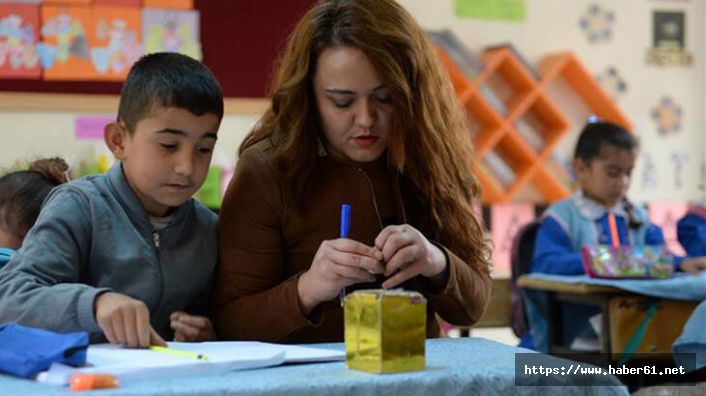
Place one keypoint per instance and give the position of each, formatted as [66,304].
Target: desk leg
[555,322]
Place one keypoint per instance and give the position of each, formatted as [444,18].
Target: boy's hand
[191,328]
[693,265]
[125,321]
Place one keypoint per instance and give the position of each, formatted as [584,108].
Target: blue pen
[345,229]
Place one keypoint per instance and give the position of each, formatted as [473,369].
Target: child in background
[691,230]
[21,196]
[603,161]
[125,255]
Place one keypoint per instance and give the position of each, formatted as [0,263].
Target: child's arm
[693,265]
[42,285]
[553,253]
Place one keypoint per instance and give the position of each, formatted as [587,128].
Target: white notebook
[135,364]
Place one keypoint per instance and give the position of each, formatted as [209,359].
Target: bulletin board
[240,42]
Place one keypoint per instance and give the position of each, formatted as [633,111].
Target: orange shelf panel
[515,123]
[566,65]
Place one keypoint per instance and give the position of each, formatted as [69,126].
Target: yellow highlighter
[179,352]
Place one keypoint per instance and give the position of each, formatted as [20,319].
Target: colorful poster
[180,4]
[61,2]
[19,36]
[171,31]
[504,10]
[116,44]
[119,3]
[64,52]
[506,220]
[666,214]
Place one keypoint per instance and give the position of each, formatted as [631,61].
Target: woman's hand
[408,254]
[338,263]
[693,265]
[191,328]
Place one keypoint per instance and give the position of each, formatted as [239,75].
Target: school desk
[623,303]
[463,366]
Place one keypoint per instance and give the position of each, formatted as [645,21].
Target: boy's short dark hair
[598,134]
[167,79]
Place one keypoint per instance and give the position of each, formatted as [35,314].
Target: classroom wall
[553,25]
[550,25]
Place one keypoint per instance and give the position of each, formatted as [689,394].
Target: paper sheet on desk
[136,364]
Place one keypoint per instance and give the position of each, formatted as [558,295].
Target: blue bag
[26,351]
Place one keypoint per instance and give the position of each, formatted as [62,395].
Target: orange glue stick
[82,382]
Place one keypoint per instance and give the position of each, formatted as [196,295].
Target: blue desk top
[680,287]
[464,366]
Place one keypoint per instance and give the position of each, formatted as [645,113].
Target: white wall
[550,26]
[553,25]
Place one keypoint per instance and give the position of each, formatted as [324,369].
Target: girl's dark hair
[599,134]
[22,193]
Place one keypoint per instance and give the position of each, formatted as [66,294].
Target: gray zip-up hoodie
[94,236]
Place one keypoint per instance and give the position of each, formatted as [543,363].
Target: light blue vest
[583,230]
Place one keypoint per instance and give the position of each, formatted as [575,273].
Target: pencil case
[26,351]
[621,262]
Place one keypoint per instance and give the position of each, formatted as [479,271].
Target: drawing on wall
[116,44]
[611,80]
[597,24]
[19,34]
[171,31]
[502,10]
[64,51]
[669,40]
[648,175]
[668,116]
[679,159]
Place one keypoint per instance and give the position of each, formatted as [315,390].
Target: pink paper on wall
[505,221]
[666,214]
[91,127]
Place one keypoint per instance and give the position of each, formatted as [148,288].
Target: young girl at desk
[21,197]
[599,212]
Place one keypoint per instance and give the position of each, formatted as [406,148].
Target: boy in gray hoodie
[128,256]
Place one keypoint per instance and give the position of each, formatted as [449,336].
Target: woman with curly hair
[362,113]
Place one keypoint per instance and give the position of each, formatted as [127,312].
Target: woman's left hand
[407,253]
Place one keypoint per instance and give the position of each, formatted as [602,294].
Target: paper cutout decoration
[116,44]
[668,116]
[503,10]
[597,24]
[19,36]
[506,220]
[120,3]
[171,31]
[666,214]
[179,4]
[89,43]
[649,172]
[679,160]
[612,82]
[669,40]
[64,52]
[91,127]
